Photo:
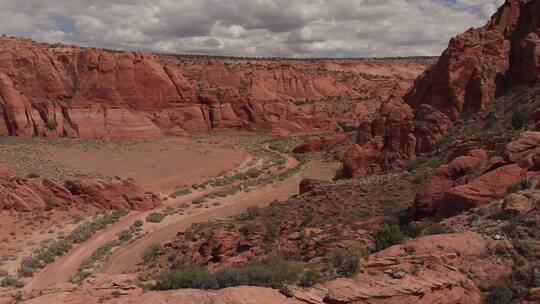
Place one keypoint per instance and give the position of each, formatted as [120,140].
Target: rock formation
[476,66]
[58,90]
[24,194]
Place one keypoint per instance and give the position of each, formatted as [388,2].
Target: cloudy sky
[284,28]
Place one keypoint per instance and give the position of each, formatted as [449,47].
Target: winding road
[128,256]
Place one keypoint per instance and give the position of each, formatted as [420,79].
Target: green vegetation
[57,248]
[348,128]
[388,235]
[268,272]
[51,125]
[150,253]
[499,295]
[181,191]
[519,119]
[155,217]
[343,262]
[310,278]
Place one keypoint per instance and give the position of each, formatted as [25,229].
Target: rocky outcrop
[476,64]
[57,90]
[474,179]
[516,203]
[315,144]
[479,191]
[308,184]
[23,194]
[125,293]
[113,194]
[424,270]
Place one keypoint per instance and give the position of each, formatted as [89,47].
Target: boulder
[520,204]
[526,143]
[481,190]
[308,184]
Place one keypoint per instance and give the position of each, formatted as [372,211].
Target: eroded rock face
[503,53]
[129,294]
[428,275]
[23,194]
[56,90]
[466,182]
[479,191]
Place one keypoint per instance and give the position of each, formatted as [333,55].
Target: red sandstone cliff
[56,90]
[471,71]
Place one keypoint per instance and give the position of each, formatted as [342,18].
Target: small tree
[387,236]
[519,119]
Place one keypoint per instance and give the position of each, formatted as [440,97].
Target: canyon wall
[477,66]
[58,90]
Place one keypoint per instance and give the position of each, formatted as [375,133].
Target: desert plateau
[270,152]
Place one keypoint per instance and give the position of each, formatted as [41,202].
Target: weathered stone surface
[466,77]
[481,190]
[23,194]
[57,90]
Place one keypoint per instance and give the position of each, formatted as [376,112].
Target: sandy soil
[129,256]
[159,165]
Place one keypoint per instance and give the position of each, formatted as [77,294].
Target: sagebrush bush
[150,252]
[388,235]
[310,278]
[268,272]
[519,119]
[343,262]
[155,217]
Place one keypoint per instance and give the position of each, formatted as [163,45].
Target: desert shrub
[51,125]
[343,262]
[10,281]
[310,278]
[125,235]
[268,272]
[25,271]
[413,164]
[521,185]
[348,128]
[436,228]
[523,247]
[79,276]
[32,175]
[467,114]
[150,252]
[419,179]
[155,217]
[188,277]
[198,200]
[253,173]
[519,119]
[182,191]
[30,262]
[499,295]
[230,277]
[138,223]
[271,272]
[490,121]
[388,235]
[252,213]
[340,174]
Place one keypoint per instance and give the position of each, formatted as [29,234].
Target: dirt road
[130,255]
